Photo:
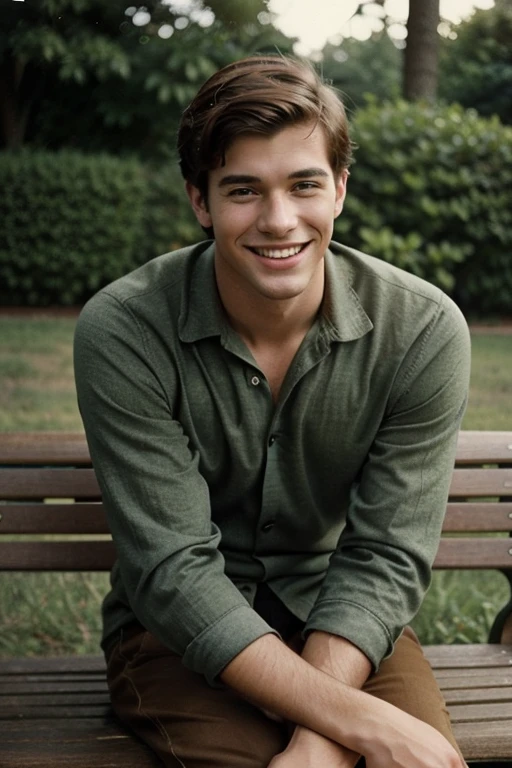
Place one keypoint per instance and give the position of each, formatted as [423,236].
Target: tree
[97,75]
[53,40]
[421,54]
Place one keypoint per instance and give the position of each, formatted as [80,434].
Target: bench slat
[491,740]
[45,483]
[57,679]
[89,517]
[57,556]
[22,687]
[79,517]
[475,517]
[74,701]
[473,553]
[79,698]
[474,447]
[470,713]
[481,482]
[451,680]
[64,743]
[100,711]
[87,664]
[464,656]
[479,695]
[66,448]
[468,553]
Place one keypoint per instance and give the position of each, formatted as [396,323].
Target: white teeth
[278,253]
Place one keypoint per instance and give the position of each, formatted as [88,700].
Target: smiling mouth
[278,253]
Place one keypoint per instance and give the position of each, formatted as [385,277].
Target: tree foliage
[358,69]
[82,73]
[476,67]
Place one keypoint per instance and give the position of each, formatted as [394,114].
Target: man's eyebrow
[303,173]
[308,173]
[238,179]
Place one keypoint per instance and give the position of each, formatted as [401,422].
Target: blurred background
[91,92]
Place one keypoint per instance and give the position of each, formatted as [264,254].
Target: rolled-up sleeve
[156,501]
[382,565]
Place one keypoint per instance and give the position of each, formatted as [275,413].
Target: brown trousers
[188,724]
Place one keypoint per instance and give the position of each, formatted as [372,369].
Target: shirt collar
[342,313]
[202,315]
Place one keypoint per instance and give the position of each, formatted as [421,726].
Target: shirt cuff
[217,645]
[355,623]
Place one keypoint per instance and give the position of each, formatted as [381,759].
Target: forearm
[338,657]
[273,677]
[342,660]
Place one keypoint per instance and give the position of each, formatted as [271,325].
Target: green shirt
[334,496]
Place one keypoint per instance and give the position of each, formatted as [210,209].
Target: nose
[277,215]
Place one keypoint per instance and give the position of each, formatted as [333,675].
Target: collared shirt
[334,495]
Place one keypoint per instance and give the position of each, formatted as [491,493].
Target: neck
[261,320]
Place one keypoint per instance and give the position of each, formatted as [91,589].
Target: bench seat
[52,710]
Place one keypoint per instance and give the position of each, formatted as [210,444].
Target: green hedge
[69,224]
[431,191]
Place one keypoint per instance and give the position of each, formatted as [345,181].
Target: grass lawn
[37,390]
[59,613]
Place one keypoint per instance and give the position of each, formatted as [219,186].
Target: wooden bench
[55,711]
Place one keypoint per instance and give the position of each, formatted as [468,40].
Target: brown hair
[262,95]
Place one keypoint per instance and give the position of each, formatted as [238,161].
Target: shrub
[70,224]
[431,191]
[169,222]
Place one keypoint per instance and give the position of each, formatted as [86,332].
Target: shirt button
[255,381]
[266,527]
[271,440]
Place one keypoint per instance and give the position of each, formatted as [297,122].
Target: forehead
[293,147]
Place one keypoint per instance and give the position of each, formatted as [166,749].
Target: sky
[314,22]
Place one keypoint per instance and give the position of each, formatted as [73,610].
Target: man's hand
[425,748]
[398,740]
[308,749]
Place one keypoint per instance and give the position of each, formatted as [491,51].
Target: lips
[279,253]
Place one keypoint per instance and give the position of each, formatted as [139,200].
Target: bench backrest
[48,487]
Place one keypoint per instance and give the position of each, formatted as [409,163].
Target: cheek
[234,220]
[321,215]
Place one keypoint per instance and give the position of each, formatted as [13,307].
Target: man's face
[272,206]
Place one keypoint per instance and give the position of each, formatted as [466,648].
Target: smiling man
[272,418]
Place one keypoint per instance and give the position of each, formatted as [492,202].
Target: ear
[199,205]
[341,191]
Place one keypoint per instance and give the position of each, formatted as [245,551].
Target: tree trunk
[14,110]
[422,50]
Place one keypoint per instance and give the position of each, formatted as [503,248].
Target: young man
[272,418]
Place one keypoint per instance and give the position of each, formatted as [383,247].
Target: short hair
[258,95]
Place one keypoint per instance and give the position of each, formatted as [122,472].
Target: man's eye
[241,192]
[306,186]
